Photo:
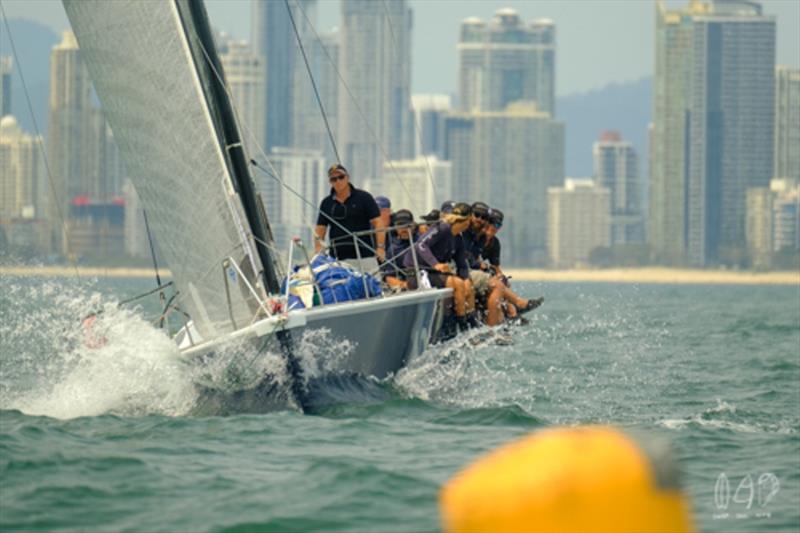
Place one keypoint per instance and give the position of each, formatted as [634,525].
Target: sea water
[109,439]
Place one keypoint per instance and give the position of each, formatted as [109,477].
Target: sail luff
[228,185]
[153,99]
[229,134]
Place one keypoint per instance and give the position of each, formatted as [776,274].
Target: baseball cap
[337,167]
[447,207]
[480,209]
[433,216]
[383,202]
[403,217]
[496,216]
[462,209]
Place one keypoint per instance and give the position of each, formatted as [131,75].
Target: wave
[724,416]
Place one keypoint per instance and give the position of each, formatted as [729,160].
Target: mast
[204,51]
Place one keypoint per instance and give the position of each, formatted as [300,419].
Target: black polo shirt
[354,214]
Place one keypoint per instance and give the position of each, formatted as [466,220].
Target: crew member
[347,210]
[393,269]
[500,291]
[434,251]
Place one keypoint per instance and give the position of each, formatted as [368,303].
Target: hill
[625,107]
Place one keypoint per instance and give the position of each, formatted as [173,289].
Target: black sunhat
[447,207]
[461,209]
[495,216]
[433,216]
[403,217]
[480,209]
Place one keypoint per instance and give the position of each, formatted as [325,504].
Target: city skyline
[620,33]
[714,108]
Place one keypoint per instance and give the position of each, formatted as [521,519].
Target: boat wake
[469,371]
[53,366]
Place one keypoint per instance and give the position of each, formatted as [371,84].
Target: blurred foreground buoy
[592,478]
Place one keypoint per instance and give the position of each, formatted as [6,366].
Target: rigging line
[252,137]
[302,198]
[161,295]
[40,143]
[272,172]
[361,113]
[313,83]
[417,127]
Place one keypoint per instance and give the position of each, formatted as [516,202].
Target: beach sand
[659,275]
[616,275]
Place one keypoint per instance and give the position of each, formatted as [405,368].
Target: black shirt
[491,252]
[355,215]
[473,247]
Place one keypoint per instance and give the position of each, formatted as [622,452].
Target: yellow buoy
[569,479]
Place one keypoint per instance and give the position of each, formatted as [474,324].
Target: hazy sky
[599,41]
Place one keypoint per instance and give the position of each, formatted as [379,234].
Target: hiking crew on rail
[456,247]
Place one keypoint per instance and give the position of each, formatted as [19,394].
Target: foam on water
[723,416]
[48,368]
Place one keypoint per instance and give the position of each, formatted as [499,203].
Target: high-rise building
[616,168]
[667,214]
[309,129]
[69,128]
[419,185]
[509,159]
[786,214]
[291,204]
[773,221]
[375,61]
[21,172]
[506,61]
[83,158]
[714,120]
[6,65]
[245,75]
[759,230]
[579,221]
[274,39]
[787,123]
[429,113]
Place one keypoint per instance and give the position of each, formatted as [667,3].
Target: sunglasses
[334,179]
[482,216]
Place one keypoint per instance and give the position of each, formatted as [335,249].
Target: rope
[417,127]
[40,143]
[272,172]
[313,83]
[361,113]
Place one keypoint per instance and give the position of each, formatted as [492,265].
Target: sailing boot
[463,324]
[473,321]
[533,303]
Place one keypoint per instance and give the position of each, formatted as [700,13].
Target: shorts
[480,281]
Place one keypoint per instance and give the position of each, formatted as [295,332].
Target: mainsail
[152,73]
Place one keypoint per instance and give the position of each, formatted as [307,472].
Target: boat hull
[379,336]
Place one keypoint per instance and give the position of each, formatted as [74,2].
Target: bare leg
[458,294]
[494,310]
[469,294]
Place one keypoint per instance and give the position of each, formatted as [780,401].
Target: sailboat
[158,77]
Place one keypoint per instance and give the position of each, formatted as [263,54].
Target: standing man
[348,210]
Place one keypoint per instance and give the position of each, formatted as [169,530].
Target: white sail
[140,60]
